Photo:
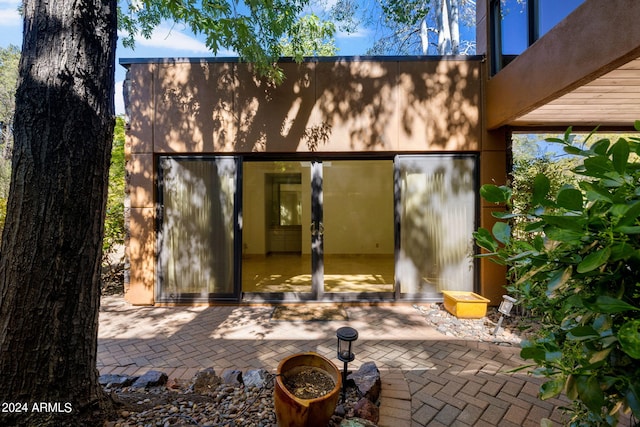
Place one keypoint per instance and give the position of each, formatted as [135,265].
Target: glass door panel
[276,219]
[197,228]
[436,213]
[358,226]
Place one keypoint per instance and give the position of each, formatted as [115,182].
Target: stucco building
[356,179]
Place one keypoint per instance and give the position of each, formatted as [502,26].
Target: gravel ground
[226,406]
[511,332]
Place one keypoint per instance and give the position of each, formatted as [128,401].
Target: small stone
[150,379]
[356,422]
[232,376]
[116,381]
[367,410]
[255,378]
[206,381]
[367,379]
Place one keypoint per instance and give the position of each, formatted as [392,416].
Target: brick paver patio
[428,379]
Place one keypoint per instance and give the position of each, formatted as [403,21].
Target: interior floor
[342,273]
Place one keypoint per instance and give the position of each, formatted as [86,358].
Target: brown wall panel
[140,168]
[356,103]
[195,108]
[141,253]
[139,107]
[274,118]
[439,106]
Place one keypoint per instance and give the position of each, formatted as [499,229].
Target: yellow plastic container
[465,305]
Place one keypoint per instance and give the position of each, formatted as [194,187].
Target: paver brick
[428,379]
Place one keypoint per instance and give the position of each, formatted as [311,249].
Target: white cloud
[360,32]
[165,37]
[9,16]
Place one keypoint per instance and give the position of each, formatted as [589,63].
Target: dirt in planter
[309,383]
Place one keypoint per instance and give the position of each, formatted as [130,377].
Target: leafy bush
[579,269]
[114,231]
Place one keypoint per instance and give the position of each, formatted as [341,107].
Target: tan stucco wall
[342,106]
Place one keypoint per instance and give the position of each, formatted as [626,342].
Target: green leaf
[595,192]
[502,232]
[607,304]
[599,356]
[551,389]
[533,353]
[594,260]
[620,155]
[631,214]
[590,393]
[569,222]
[485,240]
[562,235]
[633,397]
[494,194]
[597,167]
[558,279]
[600,146]
[581,333]
[628,229]
[629,337]
[574,151]
[504,215]
[570,198]
[541,186]
[570,387]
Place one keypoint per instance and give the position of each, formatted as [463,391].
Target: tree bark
[52,240]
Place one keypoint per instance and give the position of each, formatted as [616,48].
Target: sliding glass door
[318,230]
[197,229]
[358,236]
[328,229]
[276,222]
[436,214]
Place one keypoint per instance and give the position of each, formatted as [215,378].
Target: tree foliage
[409,27]
[580,269]
[9,58]
[309,36]
[252,28]
[114,229]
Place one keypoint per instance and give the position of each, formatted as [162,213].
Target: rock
[367,410]
[367,380]
[356,422]
[176,384]
[116,381]
[150,379]
[255,378]
[232,377]
[206,381]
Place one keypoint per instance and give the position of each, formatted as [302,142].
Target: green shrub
[579,269]
[114,231]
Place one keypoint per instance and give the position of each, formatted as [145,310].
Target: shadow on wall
[341,105]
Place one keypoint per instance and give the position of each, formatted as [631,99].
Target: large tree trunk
[454,25]
[51,244]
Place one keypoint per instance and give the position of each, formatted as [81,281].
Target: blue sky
[166,41]
[176,41]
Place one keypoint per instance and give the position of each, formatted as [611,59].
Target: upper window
[517,24]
